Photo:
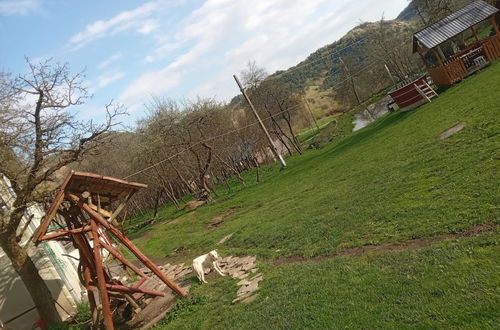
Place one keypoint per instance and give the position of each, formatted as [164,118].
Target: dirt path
[408,245]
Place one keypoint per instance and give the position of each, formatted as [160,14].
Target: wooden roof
[454,24]
[110,187]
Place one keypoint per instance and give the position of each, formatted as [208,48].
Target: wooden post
[271,143]
[90,292]
[441,53]
[390,74]
[101,280]
[351,78]
[474,33]
[438,56]
[495,26]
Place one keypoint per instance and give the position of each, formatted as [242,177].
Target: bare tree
[389,44]
[253,75]
[41,136]
[430,11]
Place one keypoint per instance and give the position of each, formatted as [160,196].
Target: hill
[322,74]
[389,227]
[322,77]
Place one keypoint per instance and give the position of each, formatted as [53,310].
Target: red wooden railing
[463,63]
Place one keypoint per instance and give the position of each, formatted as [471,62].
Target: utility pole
[351,78]
[271,143]
[390,75]
[310,111]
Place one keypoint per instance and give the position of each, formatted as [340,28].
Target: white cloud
[137,19]
[149,84]
[108,78]
[221,36]
[113,58]
[163,51]
[148,26]
[18,7]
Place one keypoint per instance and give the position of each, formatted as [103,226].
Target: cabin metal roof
[453,24]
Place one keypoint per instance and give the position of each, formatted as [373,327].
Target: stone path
[242,268]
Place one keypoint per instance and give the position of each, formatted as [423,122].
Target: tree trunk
[27,271]
[257,173]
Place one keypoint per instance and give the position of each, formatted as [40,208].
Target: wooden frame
[88,226]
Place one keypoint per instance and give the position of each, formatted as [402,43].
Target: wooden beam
[65,233]
[122,259]
[438,57]
[120,208]
[128,289]
[140,282]
[142,258]
[90,293]
[495,26]
[474,33]
[101,279]
[42,229]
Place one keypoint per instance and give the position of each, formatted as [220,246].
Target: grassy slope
[389,182]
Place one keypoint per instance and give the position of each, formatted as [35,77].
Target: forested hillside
[364,50]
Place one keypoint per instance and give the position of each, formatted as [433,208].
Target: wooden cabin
[444,49]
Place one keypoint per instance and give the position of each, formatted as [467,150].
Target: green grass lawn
[390,182]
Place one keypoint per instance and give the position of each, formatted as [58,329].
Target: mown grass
[450,285]
[387,183]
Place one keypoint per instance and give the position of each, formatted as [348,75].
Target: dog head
[214,254]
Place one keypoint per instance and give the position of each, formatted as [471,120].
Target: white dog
[207,262]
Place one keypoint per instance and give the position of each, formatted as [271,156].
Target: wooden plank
[128,289]
[82,175]
[101,280]
[65,233]
[142,258]
[42,229]
[90,293]
[120,208]
[122,259]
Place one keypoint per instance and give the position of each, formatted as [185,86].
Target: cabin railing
[466,62]
[491,47]
[449,72]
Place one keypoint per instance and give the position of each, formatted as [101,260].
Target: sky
[135,50]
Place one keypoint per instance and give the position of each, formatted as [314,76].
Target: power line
[365,68]
[300,66]
[206,140]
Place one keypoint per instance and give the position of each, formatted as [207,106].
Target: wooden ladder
[426,91]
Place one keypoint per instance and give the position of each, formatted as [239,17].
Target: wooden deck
[466,62]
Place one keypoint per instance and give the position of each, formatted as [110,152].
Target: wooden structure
[85,202]
[447,57]
[410,94]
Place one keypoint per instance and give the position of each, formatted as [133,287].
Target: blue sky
[133,50]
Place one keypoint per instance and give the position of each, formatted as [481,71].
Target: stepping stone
[451,131]
[225,239]
[240,298]
[244,282]
[249,299]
